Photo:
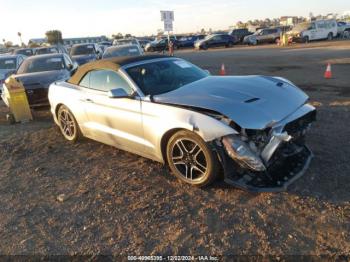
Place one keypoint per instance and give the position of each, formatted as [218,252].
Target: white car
[344,29]
[252,128]
[127,41]
[316,30]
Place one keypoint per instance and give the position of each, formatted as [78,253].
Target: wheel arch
[57,108]
[165,139]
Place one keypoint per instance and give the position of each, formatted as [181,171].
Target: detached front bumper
[276,178]
[283,160]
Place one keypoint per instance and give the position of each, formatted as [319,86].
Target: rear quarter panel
[63,93]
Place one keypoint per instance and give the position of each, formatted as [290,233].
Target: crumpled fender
[158,119]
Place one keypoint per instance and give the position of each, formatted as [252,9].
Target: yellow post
[16,99]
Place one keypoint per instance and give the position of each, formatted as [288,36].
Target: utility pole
[20,37]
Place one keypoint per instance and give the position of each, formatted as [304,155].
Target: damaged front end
[268,160]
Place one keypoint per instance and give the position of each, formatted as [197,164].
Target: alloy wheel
[189,159]
[67,124]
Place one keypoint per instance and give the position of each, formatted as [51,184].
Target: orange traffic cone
[328,73]
[222,70]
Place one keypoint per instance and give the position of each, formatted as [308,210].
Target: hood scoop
[251,100]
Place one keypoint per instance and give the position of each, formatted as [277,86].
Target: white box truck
[314,30]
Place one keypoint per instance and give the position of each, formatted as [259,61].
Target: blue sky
[105,17]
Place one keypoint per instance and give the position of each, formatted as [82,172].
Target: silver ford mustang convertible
[251,129]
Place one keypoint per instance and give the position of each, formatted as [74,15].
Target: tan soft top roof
[110,64]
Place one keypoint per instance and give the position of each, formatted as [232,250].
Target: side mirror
[70,67]
[118,93]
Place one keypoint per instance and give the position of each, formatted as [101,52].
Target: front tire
[346,34]
[68,125]
[191,160]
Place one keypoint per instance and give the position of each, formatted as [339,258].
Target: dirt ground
[88,198]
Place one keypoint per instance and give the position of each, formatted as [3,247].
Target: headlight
[241,153]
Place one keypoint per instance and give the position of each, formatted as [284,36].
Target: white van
[315,30]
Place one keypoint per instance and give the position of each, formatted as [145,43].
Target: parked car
[126,41]
[8,66]
[102,47]
[143,43]
[215,40]
[169,110]
[105,43]
[160,45]
[189,41]
[317,30]
[37,73]
[84,53]
[239,34]
[46,50]
[23,51]
[125,50]
[266,35]
[343,29]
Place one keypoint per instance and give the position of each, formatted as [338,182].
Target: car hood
[252,102]
[42,79]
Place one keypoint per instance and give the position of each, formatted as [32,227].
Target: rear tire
[330,37]
[68,125]
[346,34]
[191,160]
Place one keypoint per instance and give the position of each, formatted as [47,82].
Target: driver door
[113,121]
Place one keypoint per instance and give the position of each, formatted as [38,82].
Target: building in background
[289,20]
[73,40]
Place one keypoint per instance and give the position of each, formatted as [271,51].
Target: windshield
[164,76]
[122,51]
[26,52]
[7,63]
[82,50]
[302,27]
[44,51]
[208,37]
[41,64]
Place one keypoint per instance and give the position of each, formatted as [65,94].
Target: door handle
[89,100]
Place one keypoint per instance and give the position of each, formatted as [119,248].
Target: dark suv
[161,45]
[215,40]
[239,34]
